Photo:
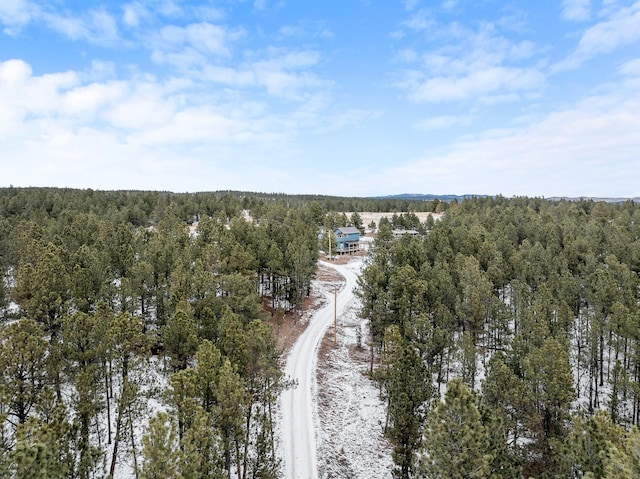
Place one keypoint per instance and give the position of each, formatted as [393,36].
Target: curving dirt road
[299,418]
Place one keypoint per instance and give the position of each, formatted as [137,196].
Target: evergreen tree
[589,442]
[180,338]
[229,413]
[84,351]
[457,444]
[31,458]
[23,361]
[160,452]
[201,456]
[409,389]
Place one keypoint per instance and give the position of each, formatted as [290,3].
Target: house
[400,233]
[348,239]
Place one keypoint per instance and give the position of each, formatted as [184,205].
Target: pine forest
[136,329]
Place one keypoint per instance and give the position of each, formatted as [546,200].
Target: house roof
[348,230]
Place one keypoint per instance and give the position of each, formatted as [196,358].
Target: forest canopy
[532,307]
[508,330]
[117,305]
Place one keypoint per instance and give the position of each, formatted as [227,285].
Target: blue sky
[345,97]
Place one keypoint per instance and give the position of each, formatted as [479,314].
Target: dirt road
[299,417]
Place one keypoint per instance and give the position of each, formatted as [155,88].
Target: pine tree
[548,374]
[23,364]
[409,389]
[456,442]
[160,452]
[589,442]
[505,394]
[180,337]
[84,351]
[229,412]
[623,461]
[31,458]
[128,349]
[201,456]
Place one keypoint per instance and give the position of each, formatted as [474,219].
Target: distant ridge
[421,197]
[635,199]
[449,198]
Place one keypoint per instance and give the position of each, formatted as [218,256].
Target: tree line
[506,340]
[143,208]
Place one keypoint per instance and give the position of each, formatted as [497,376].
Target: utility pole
[335,314]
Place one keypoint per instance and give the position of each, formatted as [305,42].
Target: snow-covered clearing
[331,422]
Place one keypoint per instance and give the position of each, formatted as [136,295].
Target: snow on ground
[368,216]
[352,444]
[298,406]
[153,381]
[348,415]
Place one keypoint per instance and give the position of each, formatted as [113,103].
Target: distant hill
[421,197]
[449,198]
[635,199]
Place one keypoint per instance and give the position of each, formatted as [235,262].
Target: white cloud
[261,5]
[472,65]
[576,10]
[421,20]
[100,70]
[194,125]
[193,45]
[621,28]
[411,4]
[478,84]
[92,98]
[282,73]
[170,8]
[407,55]
[142,133]
[22,94]
[449,5]
[209,13]
[13,72]
[95,26]
[306,29]
[351,117]
[591,148]
[14,14]
[631,68]
[134,13]
[230,76]
[442,122]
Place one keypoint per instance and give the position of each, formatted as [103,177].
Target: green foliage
[457,444]
[624,461]
[540,295]
[589,443]
[23,364]
[409,391]
[201,456]
[161,456]
[180,338]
